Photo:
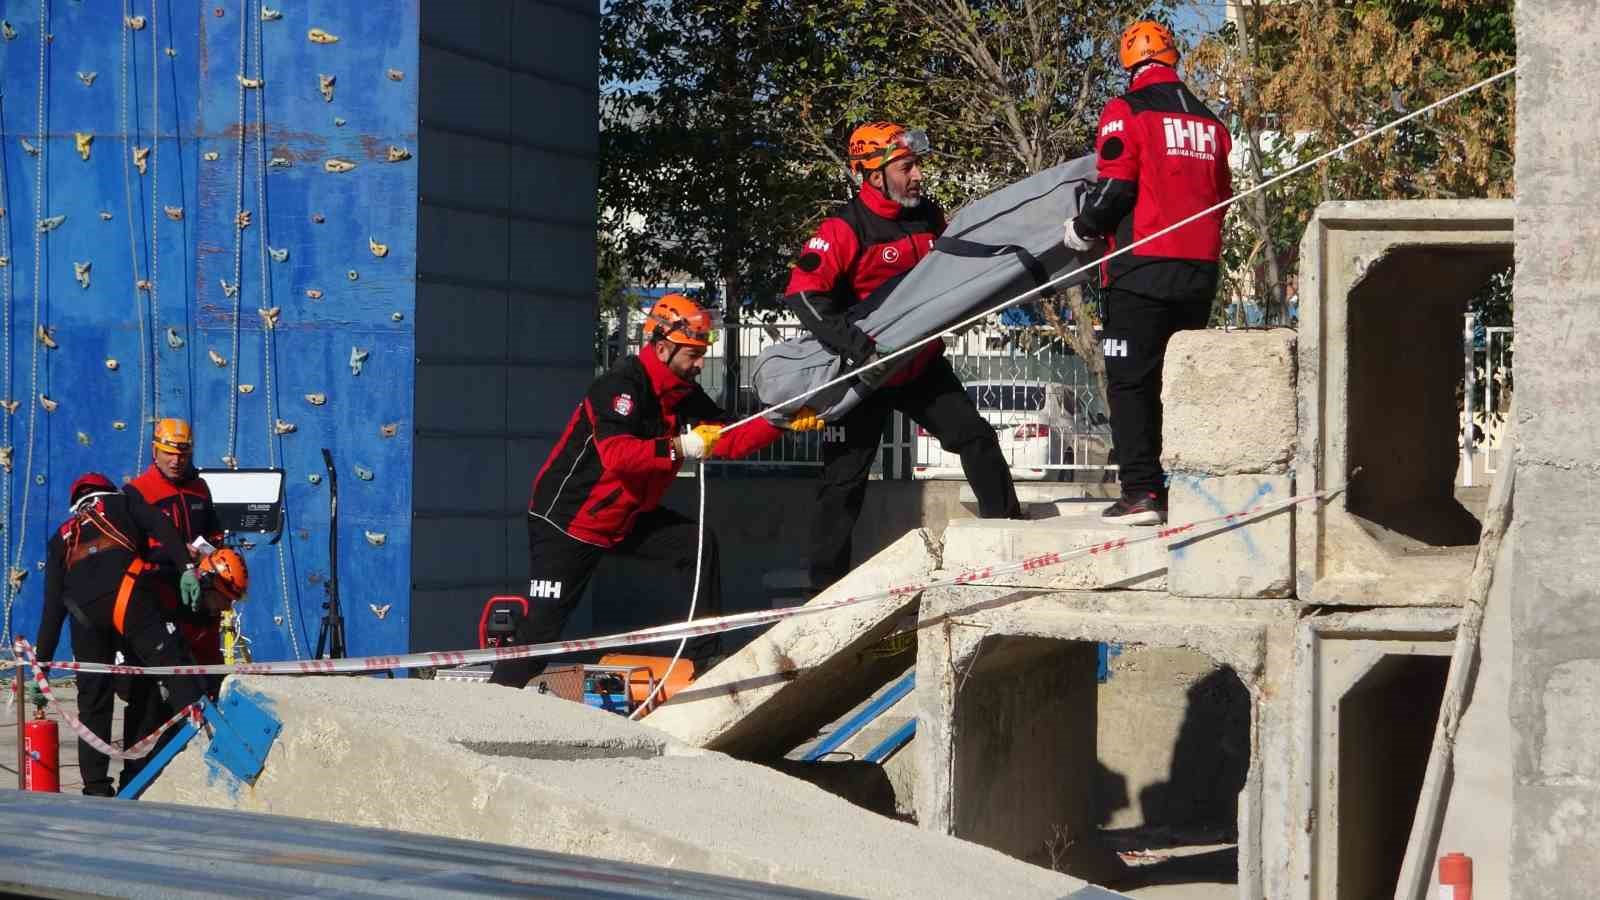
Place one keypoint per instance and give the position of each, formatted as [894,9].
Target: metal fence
[1037,394]
[1485,397]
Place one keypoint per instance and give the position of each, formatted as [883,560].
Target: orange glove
[806,419]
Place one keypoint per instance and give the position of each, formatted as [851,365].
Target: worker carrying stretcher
[599,491]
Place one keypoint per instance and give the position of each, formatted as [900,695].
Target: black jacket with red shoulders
[187,503]
[855,258]
[1162,157]
[615,459]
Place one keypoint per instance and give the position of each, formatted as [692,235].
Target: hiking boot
[1140,508]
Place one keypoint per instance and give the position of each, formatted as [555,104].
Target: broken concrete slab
[1254,558]
[1042,500]
[1381,304]
[972,545]
[803,673]
[1228,402]
[486,763]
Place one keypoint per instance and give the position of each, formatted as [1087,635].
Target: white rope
[155,220]
[6,297]
[38,290]
[238,247]
[128,136]
[694,596]
[1089,267]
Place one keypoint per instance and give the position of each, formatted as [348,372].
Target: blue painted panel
[323,220]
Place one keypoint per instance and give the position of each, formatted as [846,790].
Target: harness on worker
[90,511]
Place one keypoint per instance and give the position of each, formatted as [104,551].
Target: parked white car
[1031,419]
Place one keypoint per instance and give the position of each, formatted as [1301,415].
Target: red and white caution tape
[677,630]
[138,751]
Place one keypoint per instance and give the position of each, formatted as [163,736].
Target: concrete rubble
[484,763]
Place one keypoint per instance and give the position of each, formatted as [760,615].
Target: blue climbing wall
[160,304]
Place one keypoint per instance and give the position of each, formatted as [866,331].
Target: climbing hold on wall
[378,250]
[279,162]
[8,30]
[325,87]
[135,22]
[171,53]
[268,14]
[105,215]
[141,158]
[352,275]
[112,364]
[82,140]
[242,220]
[80,271]
[363,473]
[174,339]
[358,358]
[88,78]
[338,166]
[45,336]
[389,430]
[119,425]
[217,359]
[5,458]
[232,463]
[249,84]
[269,316]
[396,75]
[278,254]
[15,577]
[318,36]
[376,538]
[10,406]
[175,213]
[398,153]
[313,293]
[318,218]
[52,223]
[283,427]
[211,156]
[314,478]
[380,611]
[338,121]
[316,399]
[246,388]
[4,261]
[228,290]
[28,146]
[397,316]
[48,404]
[84,439]
[142,284]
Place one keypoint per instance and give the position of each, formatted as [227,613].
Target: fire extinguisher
[42,748]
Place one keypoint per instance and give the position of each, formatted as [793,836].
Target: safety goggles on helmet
[678,319]
[878,153]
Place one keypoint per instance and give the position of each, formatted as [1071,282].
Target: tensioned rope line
[1088,267]
[126,75]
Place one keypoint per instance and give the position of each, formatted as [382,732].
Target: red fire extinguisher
[42,749]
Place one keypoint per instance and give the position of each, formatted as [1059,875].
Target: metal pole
[732,350]
[22,724]
[1470,382]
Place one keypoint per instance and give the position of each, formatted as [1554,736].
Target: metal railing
[1488,372]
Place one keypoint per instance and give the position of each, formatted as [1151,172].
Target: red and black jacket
[187,504]
[1163,156]
[615,459]
[854,259]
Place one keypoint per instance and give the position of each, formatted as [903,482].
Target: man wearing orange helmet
[852,262]
[599,491]
[1162,157]
[95,571]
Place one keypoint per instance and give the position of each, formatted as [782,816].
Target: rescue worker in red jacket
[1162,157]
[99,569]
[854,260]
[599,491]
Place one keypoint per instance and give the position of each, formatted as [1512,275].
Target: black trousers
[147,641]
[1137,329]
[937,401]
[560,568]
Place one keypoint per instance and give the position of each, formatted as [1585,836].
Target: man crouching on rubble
[599,492]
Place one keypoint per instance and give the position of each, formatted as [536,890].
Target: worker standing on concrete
[853,261]
[1163,156]
[599,491]
[100,569]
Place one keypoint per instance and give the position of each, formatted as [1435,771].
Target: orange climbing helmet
[223,570]
[876,144]
[173,436]
[1144,41]
[679,320]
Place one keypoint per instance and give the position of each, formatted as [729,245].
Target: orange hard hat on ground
[223,570]
[1144,41]
[173,436]
[679,320]
[876,144]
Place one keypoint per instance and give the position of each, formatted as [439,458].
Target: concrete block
[805,672]
[485,763]
[972,545]
[1228,402]
[1250,559]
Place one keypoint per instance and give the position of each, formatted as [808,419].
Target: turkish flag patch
[623,404]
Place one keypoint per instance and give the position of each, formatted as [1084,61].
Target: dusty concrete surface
[1254,558]
[486,763]
[975,544]
[805,672]
[1555,682]
[1381,301]
[1228,400]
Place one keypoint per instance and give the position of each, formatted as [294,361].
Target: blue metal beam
[893,742]
[864,718]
